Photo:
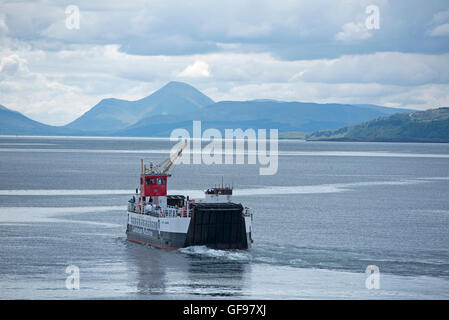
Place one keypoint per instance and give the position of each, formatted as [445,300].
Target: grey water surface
[332,210]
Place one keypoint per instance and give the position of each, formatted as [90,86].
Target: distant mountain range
[177,104]
[15,123]
[110,115]
[421,126]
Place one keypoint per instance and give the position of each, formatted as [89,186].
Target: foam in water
[10,215]
[312,189]
[26,144]
[48,150]
[204,251]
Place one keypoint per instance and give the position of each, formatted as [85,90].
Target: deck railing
[169,211]
[172,212]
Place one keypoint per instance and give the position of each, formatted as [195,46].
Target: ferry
[176,221]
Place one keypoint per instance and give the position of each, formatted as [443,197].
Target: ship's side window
[147,181]
[152,180]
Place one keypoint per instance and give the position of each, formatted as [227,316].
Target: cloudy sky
[320,51]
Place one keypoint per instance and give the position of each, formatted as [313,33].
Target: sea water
[332,210]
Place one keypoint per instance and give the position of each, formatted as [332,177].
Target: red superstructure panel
[153,185]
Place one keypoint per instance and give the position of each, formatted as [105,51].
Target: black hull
[174,245]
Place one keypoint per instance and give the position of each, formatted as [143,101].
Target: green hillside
[422,126]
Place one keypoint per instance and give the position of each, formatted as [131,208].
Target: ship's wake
[203,251]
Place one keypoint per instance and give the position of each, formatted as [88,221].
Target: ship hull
[177,243]
[177,240]
[217,226]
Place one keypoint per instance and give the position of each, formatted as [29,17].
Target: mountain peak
[181,88]
[111,114]
[177,84]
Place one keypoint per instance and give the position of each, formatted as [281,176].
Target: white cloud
[419,97]
[352,32]
[440,31]
[12,65]
[441,16]
[245,30]
[231,50]
[197,69]
[383,67]
[3,26]
[440,24]
[146,27]
[57,86]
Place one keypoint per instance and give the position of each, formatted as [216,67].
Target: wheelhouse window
[157,180]
[149,180]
